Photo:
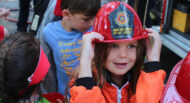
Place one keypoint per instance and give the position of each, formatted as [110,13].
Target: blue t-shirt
[66,47]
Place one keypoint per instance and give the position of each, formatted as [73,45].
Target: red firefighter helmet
[117,21]
[177,88]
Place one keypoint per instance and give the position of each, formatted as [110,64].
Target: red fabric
[58,10]
[41,69]
[2,34]
[177,87]
[52,97]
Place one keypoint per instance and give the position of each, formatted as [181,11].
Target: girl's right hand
[88,41]
[87,53]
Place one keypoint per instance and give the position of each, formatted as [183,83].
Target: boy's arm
[150,84]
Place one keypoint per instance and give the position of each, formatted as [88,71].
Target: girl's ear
[66,14]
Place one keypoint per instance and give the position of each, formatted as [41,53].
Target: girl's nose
[122,52]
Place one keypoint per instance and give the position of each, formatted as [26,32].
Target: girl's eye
[114,46]
[132,46]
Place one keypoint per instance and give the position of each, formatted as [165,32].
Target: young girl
[23,65]
[112,58]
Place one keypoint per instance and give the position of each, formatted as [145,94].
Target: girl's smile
[120,65]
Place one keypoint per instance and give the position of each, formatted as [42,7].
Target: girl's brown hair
[19,54]
[101,54]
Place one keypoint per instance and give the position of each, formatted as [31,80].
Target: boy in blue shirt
[64,37]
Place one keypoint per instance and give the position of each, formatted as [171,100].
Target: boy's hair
[19,54]
[100,58]
[86,7]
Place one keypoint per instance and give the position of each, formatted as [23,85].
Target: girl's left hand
[153,46]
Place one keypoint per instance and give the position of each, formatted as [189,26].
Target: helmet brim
[123,40]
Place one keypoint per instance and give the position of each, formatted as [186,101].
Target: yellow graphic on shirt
[70,50]
[76,54]
[68,70]
[65,56]
[61,43]
[79,41]
[67,64]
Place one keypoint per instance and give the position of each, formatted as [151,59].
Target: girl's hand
[88,44]
[4,12]
[87,53]
[154,45]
